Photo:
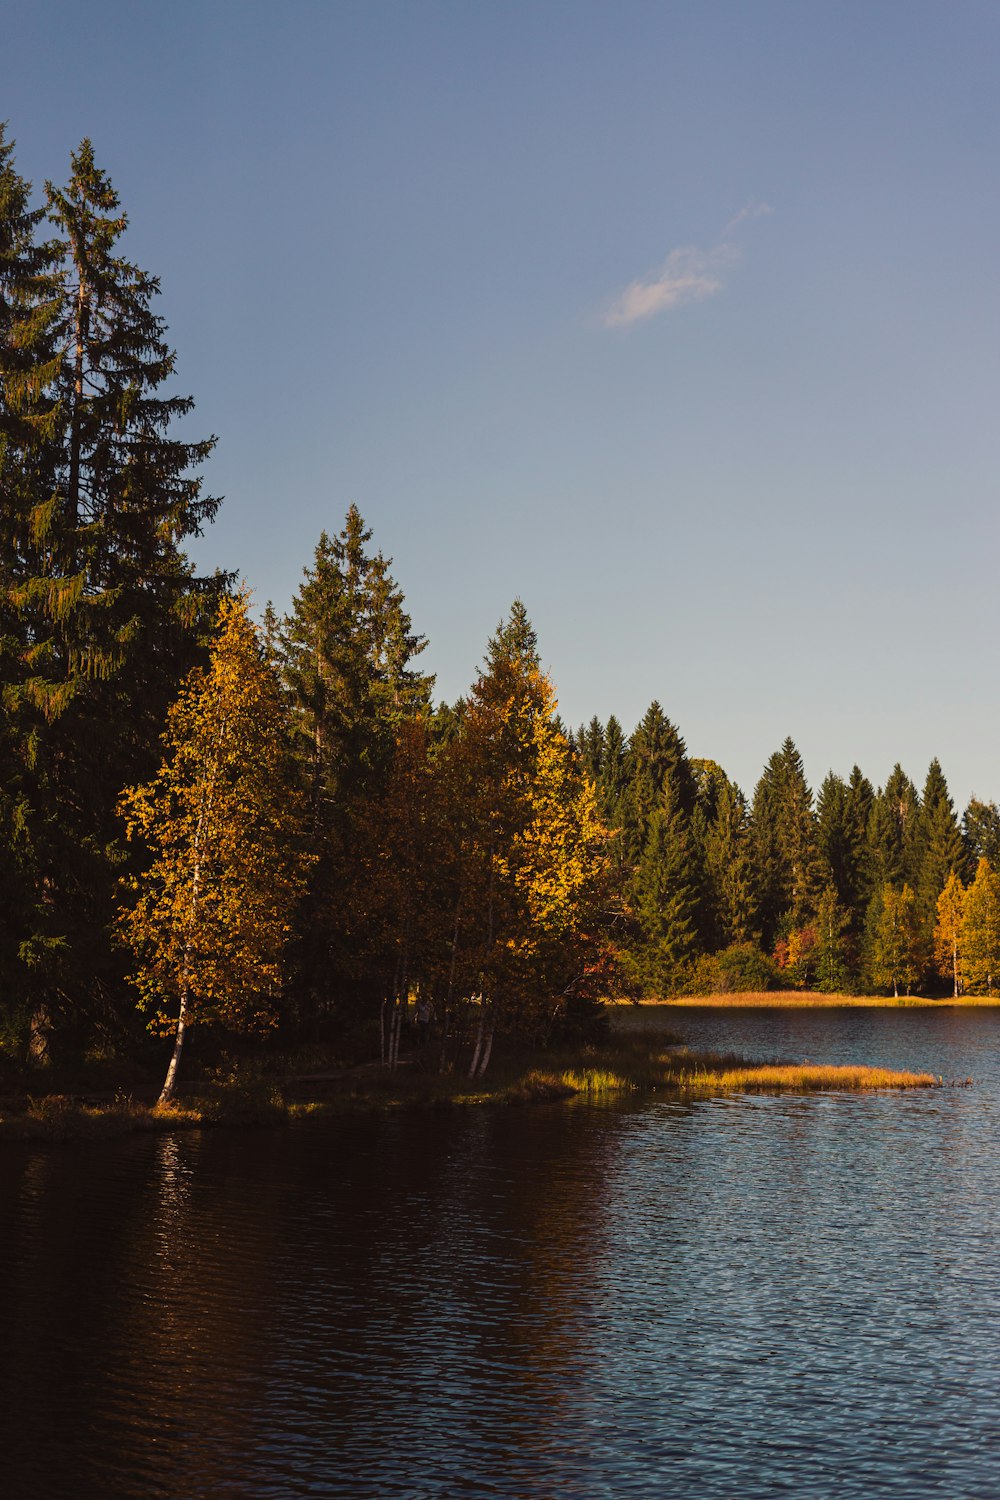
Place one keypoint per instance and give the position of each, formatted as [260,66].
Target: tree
[102,613]
[223,822]
[948,931]
[786,857]
[891,854]
[939,846]
[728,863]
[981,833]
[893,946]
[831,957]
[530,850]
[980,937]
[664,902]
[346,653]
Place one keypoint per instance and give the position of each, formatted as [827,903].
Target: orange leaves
[223,821]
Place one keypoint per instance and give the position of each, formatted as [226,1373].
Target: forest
[265,823]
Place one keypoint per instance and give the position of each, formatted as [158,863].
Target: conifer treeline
[840,892]
[267,826]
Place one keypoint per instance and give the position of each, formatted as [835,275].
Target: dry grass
[800,1078]
[641,1054]
[805,999]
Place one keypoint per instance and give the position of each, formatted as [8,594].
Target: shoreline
[810,1000]
[631,1061]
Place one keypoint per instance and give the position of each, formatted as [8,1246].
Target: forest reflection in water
[729,1297]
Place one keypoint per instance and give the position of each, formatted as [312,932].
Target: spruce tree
[981,833]
[664,902]
[787,863]
[346,653]
[102,612]
[939,846]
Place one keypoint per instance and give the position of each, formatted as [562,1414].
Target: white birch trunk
[473,1066]
[484,1064]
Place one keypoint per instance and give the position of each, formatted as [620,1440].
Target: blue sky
[680,321]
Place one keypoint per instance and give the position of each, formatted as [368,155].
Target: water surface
[742,1296]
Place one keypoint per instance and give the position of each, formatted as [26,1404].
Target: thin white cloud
[687,275]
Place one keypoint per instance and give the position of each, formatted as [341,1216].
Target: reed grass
[800,1078]
[808,999]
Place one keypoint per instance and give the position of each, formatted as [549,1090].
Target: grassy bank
[806,999]
[631,1060]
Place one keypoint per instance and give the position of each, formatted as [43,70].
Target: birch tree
[223,821]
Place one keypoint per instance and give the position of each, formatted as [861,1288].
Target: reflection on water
[733,1297]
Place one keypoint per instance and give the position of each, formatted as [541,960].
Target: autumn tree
[831,959]
[980,936]
[530,850]
[222,822]
[893,946]
[948,942]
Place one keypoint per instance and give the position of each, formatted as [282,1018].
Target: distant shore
[808,999]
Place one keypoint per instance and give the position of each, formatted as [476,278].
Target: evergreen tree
[723,826]
[346,654]
[664,901]
[939,847]
[980,941]
[891,837]
[102,614]
[658,766]
[787,863]
[981,833]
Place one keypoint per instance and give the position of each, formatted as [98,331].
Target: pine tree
[939,847]
[948,931]
[102,612]
[980,939]
[723,825]
[658,764]
[981,833]
[346,653]
[891,854]
[787,865]
[223,821]
[664,900]
[29,290]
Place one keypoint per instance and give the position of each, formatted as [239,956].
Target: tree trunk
[76,420]
[170,1082]
[473,1066]
[485,1062]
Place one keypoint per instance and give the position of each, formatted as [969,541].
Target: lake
[738,1296]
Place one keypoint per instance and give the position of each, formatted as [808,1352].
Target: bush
[743,966]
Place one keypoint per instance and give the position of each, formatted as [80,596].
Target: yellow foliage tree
[223,821]
[948,931]
[980,938]
[531,851]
